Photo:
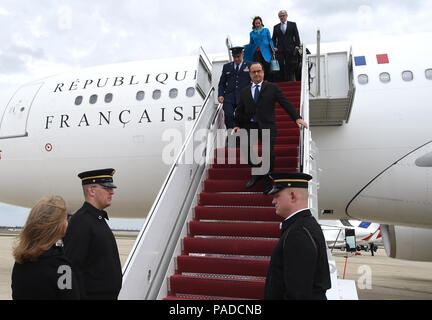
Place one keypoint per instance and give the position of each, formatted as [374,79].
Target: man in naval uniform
[89,242]
[234,77]
[298,266]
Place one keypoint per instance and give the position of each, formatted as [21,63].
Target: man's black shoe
[253,181]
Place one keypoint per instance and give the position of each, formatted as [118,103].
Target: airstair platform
[332,88]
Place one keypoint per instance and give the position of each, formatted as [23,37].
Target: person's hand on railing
[234,131]
[301,122]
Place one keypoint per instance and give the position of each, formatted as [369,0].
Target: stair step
[289,84]
[236,214]
[288,132]
[235,229]
[288,123]
[279,150]
[221,246]
[222,265]
[211,185]
[287,140]
[238,288]
[233,199]
[241,171]
[284,117]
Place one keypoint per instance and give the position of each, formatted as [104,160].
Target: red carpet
[234,230]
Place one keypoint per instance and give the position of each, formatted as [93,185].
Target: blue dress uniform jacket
[231,82]
[38,280]
[299,267]
[91,247]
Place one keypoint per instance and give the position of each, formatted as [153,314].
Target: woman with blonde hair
[41,270]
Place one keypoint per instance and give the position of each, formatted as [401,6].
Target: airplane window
[93,99]
[407,76]
[363,78]
[190,92]
[428,74]
[108,97]
[156,94]
[78,100]
[140,95]
[384,77]
[173,93]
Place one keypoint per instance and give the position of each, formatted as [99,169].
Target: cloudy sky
[39,38]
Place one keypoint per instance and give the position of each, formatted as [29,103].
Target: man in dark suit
[256,111]
[234,77]
[287,41]
[299,266]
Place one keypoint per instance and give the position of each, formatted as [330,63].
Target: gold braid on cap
[290,180]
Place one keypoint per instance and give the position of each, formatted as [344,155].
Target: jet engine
[407,243]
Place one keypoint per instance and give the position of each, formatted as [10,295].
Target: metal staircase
[206,237]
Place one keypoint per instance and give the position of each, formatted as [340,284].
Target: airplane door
[204,74]
[14,119]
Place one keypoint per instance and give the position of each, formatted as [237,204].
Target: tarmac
[377,277]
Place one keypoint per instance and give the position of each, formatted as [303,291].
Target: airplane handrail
[304,110]
[307,153]
[146,266]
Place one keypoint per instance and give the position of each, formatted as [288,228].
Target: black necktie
[237,67]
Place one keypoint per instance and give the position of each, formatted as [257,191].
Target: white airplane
[375,164]
[105,116]
[365,232]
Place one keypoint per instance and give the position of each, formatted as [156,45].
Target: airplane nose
[382,197]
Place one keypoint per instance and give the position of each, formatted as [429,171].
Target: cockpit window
[173,93]
[93,99]
[78,100]
[156,94]
[190,92]
[140,95]
[108,97]
[428,74]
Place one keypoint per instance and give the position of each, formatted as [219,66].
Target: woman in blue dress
[260,47]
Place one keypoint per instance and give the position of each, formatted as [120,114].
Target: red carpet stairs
[234,230]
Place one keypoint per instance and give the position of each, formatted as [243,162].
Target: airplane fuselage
[109,116]
[370,165]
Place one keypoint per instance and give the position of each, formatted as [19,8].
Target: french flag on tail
[374,236]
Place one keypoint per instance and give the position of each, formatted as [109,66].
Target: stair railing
[146,266]
[304,111]
[308,153]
